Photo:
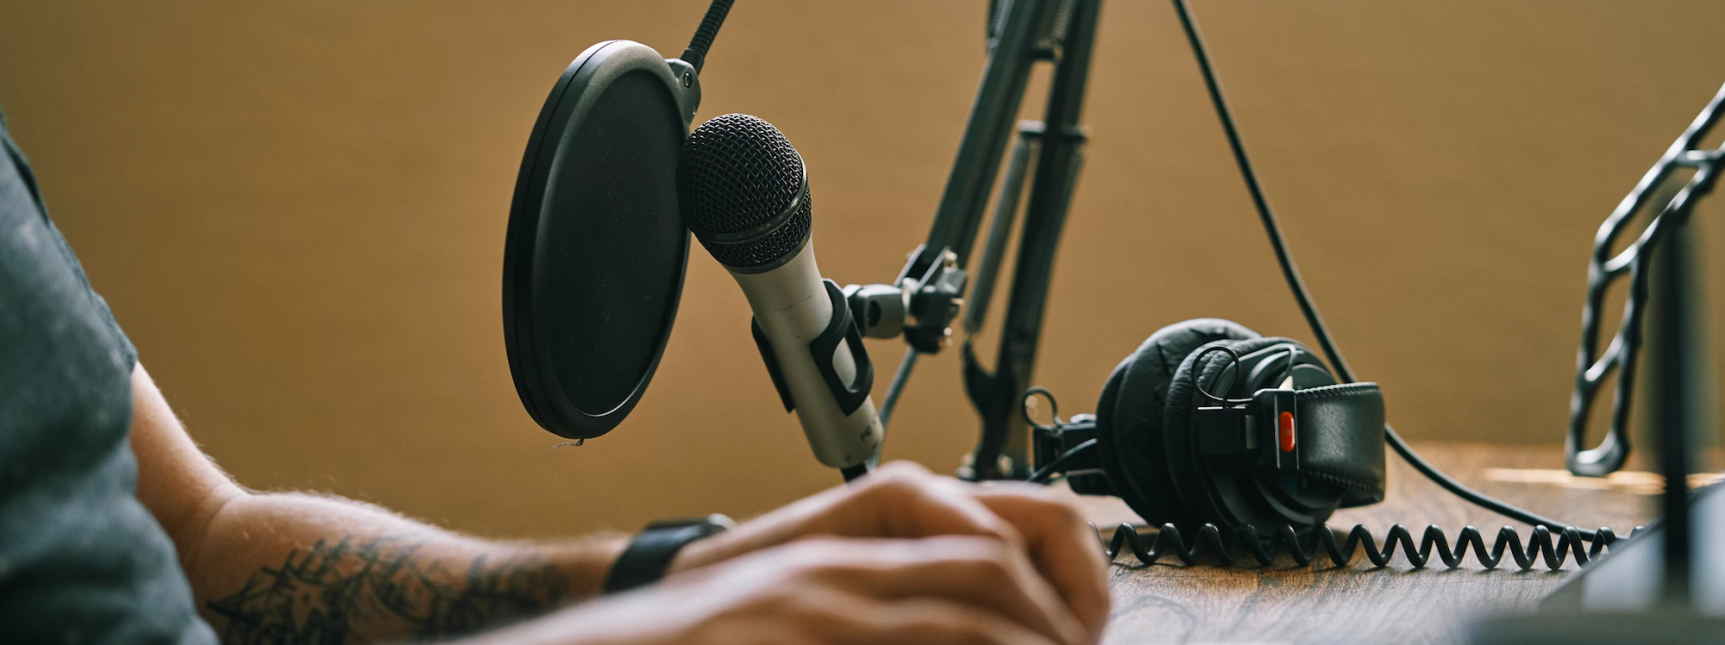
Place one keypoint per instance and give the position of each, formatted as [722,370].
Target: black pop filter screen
[597,250]
[604,297]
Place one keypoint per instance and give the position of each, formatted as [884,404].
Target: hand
[903,500]
[952,589]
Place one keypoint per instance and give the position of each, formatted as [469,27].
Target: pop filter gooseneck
[596,250]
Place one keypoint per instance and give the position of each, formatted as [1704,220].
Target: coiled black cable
[1247,542]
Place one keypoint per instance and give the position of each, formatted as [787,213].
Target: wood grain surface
[1171,602]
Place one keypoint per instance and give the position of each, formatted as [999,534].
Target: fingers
[922,621]
[909,502]
[900,500]
[982,573]
[829,591]
[1063,547]
[903,500]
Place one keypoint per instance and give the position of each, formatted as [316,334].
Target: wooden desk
[1174,603]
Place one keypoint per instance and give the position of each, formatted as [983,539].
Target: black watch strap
[650,553]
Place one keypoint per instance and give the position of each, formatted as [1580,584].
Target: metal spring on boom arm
[1246,542]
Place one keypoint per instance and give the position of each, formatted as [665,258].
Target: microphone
[744,192]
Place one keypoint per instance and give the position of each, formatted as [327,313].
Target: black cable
[899,378]
[1289,271]
[696,53]
[1304,298]
[893,391]
[1042,474]
[1267,548]
[851,473]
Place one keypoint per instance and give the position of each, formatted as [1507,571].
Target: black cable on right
[696,53]
[1289,271]
[1461,490]
[1304,298]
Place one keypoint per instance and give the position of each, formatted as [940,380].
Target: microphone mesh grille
[737,173]
[759,252]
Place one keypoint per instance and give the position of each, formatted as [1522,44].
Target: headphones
[1210,423]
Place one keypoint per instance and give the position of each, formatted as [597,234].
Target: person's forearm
[290,568]
[303,568]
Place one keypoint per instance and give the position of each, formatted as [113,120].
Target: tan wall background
[297,212]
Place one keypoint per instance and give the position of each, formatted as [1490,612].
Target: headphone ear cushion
[1130,417]
[1184,469]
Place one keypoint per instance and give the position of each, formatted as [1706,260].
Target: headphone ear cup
[1186,473]
[1130,418]
[1106,454]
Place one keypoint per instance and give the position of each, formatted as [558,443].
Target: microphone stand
[1673,614]
[1675,413]
[1021,33]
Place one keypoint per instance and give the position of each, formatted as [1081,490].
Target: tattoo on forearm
[354,592]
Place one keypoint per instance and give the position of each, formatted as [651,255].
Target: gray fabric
[81,560]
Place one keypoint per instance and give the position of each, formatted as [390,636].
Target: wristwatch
[650,553]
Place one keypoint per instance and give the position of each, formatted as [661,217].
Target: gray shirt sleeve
[81,560]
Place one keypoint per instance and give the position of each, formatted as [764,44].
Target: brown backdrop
[297,212]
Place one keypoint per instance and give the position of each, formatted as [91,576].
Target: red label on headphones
[1285,431]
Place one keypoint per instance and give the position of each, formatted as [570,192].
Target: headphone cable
[1304,298]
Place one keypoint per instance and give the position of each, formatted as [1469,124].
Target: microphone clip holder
[919,308]
[935,299]
[841,329]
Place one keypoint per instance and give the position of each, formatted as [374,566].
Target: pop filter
[596,249]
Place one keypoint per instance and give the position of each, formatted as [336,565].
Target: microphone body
[792,309]
[744,194]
